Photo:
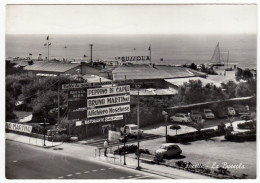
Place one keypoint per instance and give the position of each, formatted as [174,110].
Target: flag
[45,44]
[161,59]
[48,37]
[49,44]
[149,48]
[30,54]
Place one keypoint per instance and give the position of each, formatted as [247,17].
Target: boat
[215,59]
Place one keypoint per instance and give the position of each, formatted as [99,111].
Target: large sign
[108,101]
[77,94]
[19,127]
[94,92]
[133,58]
[104,119]
[86,85]
[91,113]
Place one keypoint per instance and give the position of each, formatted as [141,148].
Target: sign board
[91,113]
[77,94]
[114,136]
[19,127]
[108,101]
[79,123]
[77,115]
[94,92]
[77,105]
[104,119]
[86,85]
[133,58]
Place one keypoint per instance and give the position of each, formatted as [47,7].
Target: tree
[9,107]
[193,66]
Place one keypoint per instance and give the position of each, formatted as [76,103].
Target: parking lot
[212,153]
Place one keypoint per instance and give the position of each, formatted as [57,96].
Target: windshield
[163,147]
[186,115]
[134,128]
[207,111]
[195,112]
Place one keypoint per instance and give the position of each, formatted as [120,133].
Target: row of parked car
[197,115]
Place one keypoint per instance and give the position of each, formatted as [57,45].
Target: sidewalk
[30,140]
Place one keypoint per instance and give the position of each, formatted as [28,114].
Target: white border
[2,71]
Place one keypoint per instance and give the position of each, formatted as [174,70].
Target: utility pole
[91,45]
[165,114]
[150,50]
[58,101]
[138,124]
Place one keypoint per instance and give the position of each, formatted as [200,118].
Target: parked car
[131,130]
[245,117]
[231,111]
[167,150]
[195,115]
[181,117]
[208,114]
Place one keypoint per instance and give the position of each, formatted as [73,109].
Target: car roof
[181,113]
[169,144]
[131,125]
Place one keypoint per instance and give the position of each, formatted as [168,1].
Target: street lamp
[138,152]
[165,114]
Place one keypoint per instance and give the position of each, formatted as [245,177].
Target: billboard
[94,92]
[108,101]
[104,119]
[19,127]
[91,113]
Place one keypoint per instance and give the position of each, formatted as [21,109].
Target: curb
[35,145]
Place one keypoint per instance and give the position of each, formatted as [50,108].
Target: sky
[131,19]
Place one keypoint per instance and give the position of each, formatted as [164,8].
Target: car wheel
[165,156]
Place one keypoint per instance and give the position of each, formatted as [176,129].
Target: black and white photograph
[130,91]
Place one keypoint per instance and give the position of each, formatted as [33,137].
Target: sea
[240,50]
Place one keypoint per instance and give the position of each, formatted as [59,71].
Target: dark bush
[60,138]
[242,136]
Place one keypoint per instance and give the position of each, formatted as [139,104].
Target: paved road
[28,162]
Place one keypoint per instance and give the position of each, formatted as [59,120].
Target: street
[29,162]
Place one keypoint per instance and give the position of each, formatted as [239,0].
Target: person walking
[105,147]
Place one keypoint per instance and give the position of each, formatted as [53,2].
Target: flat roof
[142,71]
[180,81]
[50,67]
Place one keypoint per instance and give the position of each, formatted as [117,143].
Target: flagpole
[150,54]
[48,47]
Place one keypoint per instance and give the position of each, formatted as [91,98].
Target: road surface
[29,162]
